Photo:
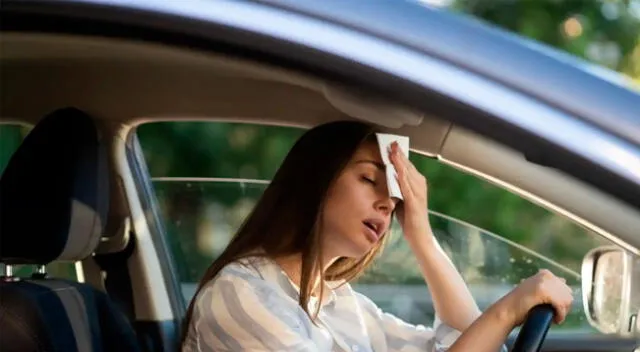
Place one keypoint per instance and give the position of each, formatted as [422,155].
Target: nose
[385,205]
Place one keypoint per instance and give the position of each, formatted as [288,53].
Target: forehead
[368,151]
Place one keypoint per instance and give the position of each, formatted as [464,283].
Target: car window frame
[262,32]
[148,200]
[203,35]
[417,93]
[560,338]
[529,251]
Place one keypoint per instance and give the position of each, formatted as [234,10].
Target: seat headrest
[53,193]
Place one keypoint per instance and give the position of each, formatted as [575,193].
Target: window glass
[207,177]
[11,136]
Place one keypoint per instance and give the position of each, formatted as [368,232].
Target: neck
[292,266]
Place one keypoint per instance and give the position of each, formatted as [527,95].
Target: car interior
[63,214]
[89,207]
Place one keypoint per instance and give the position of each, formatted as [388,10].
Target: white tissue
[384,143]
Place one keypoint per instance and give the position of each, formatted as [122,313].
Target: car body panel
[331,49]
[559,79]
[580,99]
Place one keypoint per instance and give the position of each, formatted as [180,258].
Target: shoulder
[241,284]
[239,298]
[245,270]
[240,275]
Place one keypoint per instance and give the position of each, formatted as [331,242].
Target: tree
[605,32]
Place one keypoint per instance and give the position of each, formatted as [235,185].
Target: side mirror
[611,290]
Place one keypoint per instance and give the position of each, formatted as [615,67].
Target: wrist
[423,244]
[421,235]
[416,226]
[502,313]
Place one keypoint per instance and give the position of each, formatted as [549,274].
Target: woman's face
[358,208]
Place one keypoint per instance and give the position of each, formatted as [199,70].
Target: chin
[349,246]
[358,250]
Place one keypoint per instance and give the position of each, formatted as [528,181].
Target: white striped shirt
[253,306]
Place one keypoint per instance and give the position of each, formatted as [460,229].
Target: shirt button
[355,348]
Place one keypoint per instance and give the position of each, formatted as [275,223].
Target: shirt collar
[270,271]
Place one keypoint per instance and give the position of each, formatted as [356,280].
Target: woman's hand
[542,288]
[489,331]
[412,212]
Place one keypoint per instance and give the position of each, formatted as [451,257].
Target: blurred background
[208,175]
[604,32]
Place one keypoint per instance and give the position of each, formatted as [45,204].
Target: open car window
[207,176]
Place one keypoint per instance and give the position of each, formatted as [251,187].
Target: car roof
[560,80]
[590,92]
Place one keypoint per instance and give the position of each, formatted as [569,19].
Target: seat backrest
[53,204]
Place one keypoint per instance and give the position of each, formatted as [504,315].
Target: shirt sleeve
[237,312]
[401,336]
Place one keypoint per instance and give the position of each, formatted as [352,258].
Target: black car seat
[53,202]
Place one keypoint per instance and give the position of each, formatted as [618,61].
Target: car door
[358,55]
[203,197]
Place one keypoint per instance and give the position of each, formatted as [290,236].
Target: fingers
[561,312]
[407,172]
[554,290]
[566,301]
[400,160]
[563,294]
[401,164]
[405,185]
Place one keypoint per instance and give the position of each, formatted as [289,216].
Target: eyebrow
[379,165]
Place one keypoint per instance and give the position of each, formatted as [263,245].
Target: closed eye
[368,180]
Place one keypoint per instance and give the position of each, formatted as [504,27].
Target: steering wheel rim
[534,330]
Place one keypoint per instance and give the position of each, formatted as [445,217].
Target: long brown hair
[287,218]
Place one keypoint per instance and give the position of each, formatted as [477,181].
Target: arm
[494,325]
[455,304]
[452,300]
[486,334]
[451,297]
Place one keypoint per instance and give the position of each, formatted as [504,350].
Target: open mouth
[373,229]
[371,226]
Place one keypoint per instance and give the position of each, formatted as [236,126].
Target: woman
[282,282]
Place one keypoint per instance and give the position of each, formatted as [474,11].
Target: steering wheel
[534,329]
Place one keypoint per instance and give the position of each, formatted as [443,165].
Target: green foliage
[10,138]
[231,150]
[205,149]
[202,214]
[606,32]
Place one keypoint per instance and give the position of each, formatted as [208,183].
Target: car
[183,109]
